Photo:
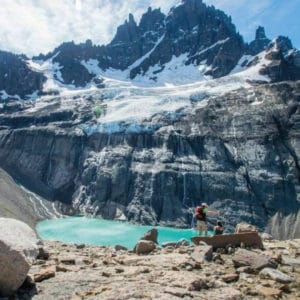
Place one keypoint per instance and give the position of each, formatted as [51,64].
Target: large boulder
[244,227]
[257,262]
[18,250]
[144,247]
[249,239]
[276,275]
[202,253]
[151,235]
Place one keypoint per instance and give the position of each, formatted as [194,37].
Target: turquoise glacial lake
[91,231]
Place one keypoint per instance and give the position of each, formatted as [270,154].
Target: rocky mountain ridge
[237,150]
[193,35]
[151,154]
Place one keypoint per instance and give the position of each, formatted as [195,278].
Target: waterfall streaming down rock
[240,159]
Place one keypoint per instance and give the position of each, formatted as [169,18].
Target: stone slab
[249,239]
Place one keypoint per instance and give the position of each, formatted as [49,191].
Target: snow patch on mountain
[92,65]
[249,67]
[133,109]
[55,83]
[166,91]
[242,64]
[147,55]
[176,72]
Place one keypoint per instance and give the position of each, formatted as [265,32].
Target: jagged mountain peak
[260,33]
[131,19]
[152,20]
[260,43]
[283,44]
[194,41]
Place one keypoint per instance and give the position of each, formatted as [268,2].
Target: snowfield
[130,105]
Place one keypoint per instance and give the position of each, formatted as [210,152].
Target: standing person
[201,216]
[219,229]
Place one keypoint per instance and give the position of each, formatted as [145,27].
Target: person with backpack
[201,214]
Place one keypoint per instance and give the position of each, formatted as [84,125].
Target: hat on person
[204,204]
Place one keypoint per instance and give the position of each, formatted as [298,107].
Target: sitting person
[219,229]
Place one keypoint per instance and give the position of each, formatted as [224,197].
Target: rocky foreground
[171,272]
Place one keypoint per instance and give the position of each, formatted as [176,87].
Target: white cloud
[35,26]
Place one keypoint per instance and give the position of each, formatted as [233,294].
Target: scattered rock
[106,274]
[244,227]
[80,246]
[120,248]
[226,293]
[68,260]
[218,284]
[294,262]
[182,242]
[169,244]
[269,292]
[228,278]
[119,270]
[217,258]
[245,269]
[221,250]
[197,265]
[61,268]
[43,253]
[144,247]
[178,292]
[145,271]
[189,268]
[275,275]
[198,285]
[40,262]
[266,237]
[29,282]
[182,250]
[151,235]
[87,261]
[285,288]
[230,249]
[44,274]
[18,251]
[256,261]
[151,276]
[202,253]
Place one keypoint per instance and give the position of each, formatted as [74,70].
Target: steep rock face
[202,33]
[16,78]
[285,61]
[129,44]
[243,161]
[18,203]
[68,59]
[133,41]
[192,42]
[238,152]
[260,43]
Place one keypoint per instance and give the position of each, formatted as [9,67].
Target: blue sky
[279,17]
[35,26]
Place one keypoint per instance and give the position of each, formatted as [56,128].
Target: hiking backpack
[200,215]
